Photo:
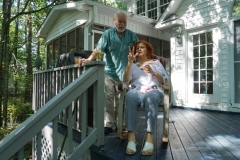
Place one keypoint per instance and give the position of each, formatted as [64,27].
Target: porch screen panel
[166,49]
[237,60]
[79,39]
[156,43]
[63,44]
[71,42]
[55,48]
[49,55]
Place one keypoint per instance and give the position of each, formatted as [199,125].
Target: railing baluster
[41,87]
[39,145]
[83,116]
[34,93]
[55,139]
[65,84]
[45,88]
[21,153]
[70,127]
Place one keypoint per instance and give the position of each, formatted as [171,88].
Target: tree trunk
[7,4]
[15,70]
[28,89]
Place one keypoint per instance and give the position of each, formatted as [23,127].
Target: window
[152,8]
[203,63]
[163,5]
[141,7]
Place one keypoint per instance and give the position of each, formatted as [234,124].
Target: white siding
[139,27]
[201,13]
[177,73]
[225,69]
[197,15]
[67,21]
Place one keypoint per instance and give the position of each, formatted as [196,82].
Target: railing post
[99,103]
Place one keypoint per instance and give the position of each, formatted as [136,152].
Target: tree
[236,8]
[6,48]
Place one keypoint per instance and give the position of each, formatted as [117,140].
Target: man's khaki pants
[114,94]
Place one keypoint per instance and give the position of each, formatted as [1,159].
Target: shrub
[18,111]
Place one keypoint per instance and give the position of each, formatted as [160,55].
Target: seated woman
[147,78]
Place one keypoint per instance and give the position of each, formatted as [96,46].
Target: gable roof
[83,5]
[54,14]
[170,10]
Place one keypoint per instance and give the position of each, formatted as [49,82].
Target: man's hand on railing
[83,60]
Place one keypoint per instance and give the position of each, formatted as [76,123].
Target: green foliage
[5,131]
[236,9]
[113,3]
[18,111]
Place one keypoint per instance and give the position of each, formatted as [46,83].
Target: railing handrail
[34,124]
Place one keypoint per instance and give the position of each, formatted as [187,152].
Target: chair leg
[165,118]
[120,116]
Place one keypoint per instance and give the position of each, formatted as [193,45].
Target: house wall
[67,21]
[70,19]
[200,15]
[135,23]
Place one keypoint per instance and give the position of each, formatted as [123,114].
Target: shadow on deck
[192,135]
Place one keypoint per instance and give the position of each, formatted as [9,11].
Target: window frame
[148,12]
[192,98]
[201,80]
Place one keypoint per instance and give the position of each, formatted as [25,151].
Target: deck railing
[61,95]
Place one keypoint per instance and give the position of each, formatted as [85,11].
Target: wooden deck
[194,135]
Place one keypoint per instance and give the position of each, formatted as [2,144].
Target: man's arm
[93,55]
[90,58]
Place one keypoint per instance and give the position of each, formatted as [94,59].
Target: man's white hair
[119,13]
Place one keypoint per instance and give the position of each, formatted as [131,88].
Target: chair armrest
[166,87]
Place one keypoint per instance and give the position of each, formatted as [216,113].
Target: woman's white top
[143,81]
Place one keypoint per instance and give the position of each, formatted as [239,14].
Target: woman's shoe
[147,149]
[131,148]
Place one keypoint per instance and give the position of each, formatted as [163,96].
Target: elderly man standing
[114,42]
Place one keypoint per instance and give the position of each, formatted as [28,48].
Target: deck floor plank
[191,149]
[194,135]
[162,150]
[176,145]
[231,125]
[214,129]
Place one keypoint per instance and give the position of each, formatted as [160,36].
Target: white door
[204,71]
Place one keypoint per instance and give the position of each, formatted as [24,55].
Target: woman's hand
[148,69]
[158,76]
[131,56]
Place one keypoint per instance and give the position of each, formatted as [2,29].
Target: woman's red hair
[149,47]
